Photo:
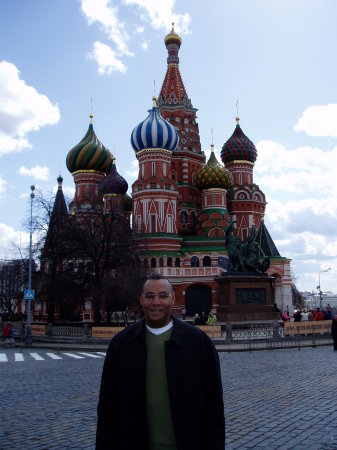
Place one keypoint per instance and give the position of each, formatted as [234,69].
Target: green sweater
[159,420]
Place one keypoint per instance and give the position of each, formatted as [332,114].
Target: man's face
[156,300]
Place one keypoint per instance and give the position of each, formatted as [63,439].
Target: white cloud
[22,110]
[3,183]
[144,45]
[11,241]
[106,59]
[160,14]
[304,171]
[301,213]
[133,173]
[37,172]
[319,120]
[106,15]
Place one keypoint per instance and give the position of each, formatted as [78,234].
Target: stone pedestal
[246,297]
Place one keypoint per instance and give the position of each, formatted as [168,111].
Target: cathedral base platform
[244,297]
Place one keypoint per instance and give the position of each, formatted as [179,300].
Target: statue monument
[246,292]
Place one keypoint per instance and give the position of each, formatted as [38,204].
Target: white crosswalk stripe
[37,357]
[73,355]
[91,355]
[26,356]
[53,356]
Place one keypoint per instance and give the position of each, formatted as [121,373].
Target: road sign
[29,294]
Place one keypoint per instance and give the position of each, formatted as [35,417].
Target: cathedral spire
[173,91]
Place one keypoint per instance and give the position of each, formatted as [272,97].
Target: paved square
[280,399]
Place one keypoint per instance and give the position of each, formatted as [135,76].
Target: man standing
[161,386]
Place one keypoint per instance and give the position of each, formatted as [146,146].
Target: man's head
[157,299]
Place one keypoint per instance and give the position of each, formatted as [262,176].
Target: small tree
[106,246]
[13,281]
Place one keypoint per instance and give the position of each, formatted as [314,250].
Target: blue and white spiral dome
[154,132]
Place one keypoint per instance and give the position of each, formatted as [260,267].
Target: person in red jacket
[318,315]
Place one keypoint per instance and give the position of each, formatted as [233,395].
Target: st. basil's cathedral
[180,205]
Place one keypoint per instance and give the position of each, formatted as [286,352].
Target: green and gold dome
[213,175]
[89,154]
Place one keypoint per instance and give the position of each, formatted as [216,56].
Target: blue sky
[276,57]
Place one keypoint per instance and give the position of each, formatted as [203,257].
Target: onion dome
[113,183]
[173,37]
[213,174]
[238,147]
[154,132]
[89,154]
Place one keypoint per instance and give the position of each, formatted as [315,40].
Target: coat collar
[177,331]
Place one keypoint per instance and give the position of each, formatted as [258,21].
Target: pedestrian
[210,320]
[197,320]
[12,335]
[6,333]
[285,316]
[161,385]
[334,331]
[183,312]
[297,316]
[203,318]
[328,313]
[318,315]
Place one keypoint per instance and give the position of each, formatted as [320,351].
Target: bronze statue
[245,256]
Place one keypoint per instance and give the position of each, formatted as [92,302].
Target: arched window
[194,261]
[183,217]
[177,262]
[153,262]
[169,262]
[206,261]
[161,262]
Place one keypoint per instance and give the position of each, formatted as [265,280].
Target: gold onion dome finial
[173,37]
[89,154]
[213,174]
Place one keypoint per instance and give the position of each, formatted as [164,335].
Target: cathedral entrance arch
[198,298]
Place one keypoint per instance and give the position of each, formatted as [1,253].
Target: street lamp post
[319,285]
[29,300]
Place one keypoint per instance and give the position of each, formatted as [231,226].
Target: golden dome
[173,37]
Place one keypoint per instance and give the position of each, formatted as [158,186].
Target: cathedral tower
[176,107]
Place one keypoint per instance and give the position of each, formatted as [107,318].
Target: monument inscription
[249,296]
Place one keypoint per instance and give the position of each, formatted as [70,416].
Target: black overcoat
[194,384]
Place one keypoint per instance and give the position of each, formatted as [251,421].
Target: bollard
[229,336]
[85,331]
[276,330]
[49,330]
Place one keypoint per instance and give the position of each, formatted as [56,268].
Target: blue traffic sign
[29,294]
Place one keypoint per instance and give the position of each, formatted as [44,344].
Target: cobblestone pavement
[281,399]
